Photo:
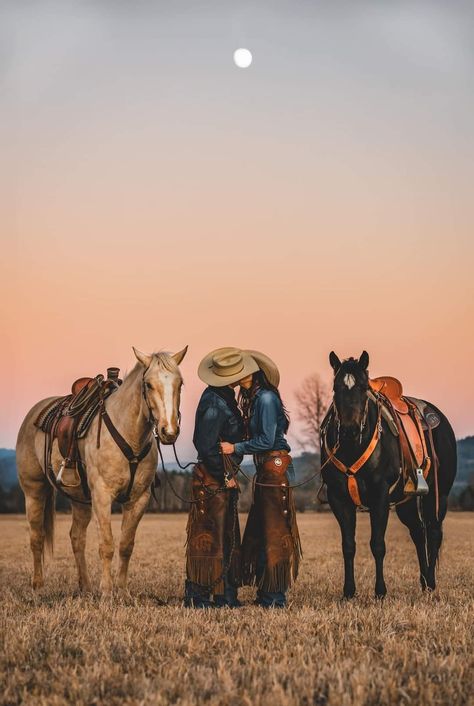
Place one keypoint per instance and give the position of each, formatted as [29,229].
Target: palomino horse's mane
[165,361]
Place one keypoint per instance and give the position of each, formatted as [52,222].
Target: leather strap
[132,458]
[350,471]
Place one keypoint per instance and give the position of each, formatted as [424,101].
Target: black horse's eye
[149,387]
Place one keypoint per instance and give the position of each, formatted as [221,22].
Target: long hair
[259,381]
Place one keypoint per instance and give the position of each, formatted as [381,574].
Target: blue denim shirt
[267,425]
[217,419]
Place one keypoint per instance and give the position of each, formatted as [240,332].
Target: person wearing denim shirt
[217,417]
[267,424]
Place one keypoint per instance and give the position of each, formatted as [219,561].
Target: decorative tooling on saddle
[408,419]
[69,418]
[391,389]
[82,404]
[413,418]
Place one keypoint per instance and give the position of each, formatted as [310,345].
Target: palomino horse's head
[162,383]
[351,383]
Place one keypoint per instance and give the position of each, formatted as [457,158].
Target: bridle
[351,470]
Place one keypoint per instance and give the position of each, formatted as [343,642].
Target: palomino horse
[356,429]
[148,397]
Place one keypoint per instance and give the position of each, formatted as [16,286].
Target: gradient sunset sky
[155,195]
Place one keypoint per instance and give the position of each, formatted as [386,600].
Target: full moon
[242,58]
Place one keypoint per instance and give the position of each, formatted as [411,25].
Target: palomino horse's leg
[378,523]
[102,508]
[35,500]
[81,516]
[345,513]
[132,514]
[408,514]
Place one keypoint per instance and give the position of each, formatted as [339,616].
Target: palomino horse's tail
[49,515]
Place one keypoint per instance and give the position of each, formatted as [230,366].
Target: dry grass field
[147,649]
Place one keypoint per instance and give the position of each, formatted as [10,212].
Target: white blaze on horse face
[349,380]
[163,393]
[169,422]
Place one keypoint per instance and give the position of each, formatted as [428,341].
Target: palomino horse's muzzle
[164,437]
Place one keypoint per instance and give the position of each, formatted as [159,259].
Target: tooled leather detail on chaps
[272,527]
[212,526]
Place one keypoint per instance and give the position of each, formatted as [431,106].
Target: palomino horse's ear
[334,361]
[178,357]
[142,358]
[364,360]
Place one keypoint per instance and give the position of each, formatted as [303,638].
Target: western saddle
[68,419]
[408,418]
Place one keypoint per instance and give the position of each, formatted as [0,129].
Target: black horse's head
[351,382]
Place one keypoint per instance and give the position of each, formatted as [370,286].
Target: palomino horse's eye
[149,387]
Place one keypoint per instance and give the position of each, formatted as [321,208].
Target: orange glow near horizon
[296,207]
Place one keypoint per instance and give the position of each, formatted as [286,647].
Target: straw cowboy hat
[267,365]
[225,366]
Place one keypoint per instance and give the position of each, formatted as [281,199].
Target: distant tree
[312,401]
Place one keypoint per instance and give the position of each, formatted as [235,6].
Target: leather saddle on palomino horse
[409,419]
[68,419]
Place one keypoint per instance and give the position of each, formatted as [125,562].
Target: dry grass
[412,649]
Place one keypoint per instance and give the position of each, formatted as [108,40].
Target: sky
[155,195]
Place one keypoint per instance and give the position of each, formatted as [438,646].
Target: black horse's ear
[334,361]
[364,360]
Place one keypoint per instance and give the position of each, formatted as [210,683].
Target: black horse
[352,423]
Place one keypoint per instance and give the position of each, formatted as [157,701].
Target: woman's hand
[227,448]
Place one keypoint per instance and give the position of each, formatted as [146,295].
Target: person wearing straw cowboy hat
[213,545]
[271,549]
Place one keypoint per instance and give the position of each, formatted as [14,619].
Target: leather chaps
[271,528]
[213,534]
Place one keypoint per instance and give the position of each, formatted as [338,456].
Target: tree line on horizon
[312,401]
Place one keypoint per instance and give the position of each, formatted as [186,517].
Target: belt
[261,458]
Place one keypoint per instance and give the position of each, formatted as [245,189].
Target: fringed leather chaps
[271,525]
[213,543]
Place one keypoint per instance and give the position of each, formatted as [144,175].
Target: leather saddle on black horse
[409,419]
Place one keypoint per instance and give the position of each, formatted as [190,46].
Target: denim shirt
[217,419]
[267,425]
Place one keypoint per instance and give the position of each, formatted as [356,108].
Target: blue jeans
[196,596]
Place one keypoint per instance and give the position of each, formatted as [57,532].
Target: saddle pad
[429,416]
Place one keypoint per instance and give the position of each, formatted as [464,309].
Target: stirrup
[59,478]
[421,484]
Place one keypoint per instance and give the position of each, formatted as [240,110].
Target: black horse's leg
[435,537]
[345,513]
[378,522]
[408,514]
